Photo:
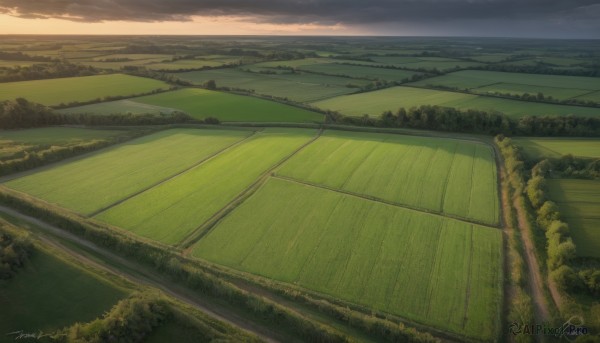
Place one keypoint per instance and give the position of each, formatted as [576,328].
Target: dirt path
[137,273]
[535,278]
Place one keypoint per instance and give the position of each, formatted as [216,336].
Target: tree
[210,84]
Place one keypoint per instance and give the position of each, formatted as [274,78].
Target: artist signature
[25,335]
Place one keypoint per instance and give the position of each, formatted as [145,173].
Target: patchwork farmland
[295,193]
[202,103]
[539,148]
[391,99]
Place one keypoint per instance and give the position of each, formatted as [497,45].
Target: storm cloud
[582,14]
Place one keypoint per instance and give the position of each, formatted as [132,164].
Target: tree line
[428,117]
[15,251]
[46,71]
[560,249]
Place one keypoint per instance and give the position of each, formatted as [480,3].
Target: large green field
[51,293]
[478,81]
[301,87]
[202,103]
[107,176]
[579,201]
[439,175]
[426,268]
[174,209]
[86,88]
[539,148]
[375,103]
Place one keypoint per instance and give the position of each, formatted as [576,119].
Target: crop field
[592,96]
[65,90]
[51,293]
[172,210]
[10,64]
[300,87]
[559,87]
[423,62]
[14,142]
[539,148]
[202,103]
[430,269]
[120,171]
[390,99]
[117,107]
[185,64]
[439,175]
[579,201]
[364,72]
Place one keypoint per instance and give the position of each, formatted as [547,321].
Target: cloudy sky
[513,18]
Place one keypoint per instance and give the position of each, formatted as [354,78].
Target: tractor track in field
[386,202]
[203,229]
[139,274]
[171,177]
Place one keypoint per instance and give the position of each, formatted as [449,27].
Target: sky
[497,18]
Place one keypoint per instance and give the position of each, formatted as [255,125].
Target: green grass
[376,102]
[579,201]
[51,293]
[429,269]
[557,86]
[301,87]
[102,178]
[117,107]
[441,175]
[424,62]
[171,211]
[202,103]
[16,141]
[592,96]
[86,88]
[539,148]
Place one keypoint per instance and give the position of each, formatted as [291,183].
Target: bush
[547,213]
[565,277]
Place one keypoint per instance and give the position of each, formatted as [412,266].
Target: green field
[364,72]
[51,293]
[426,268]
[171,211]
[539,148]
[14,142]
[440,175]
[579,201]
[559,87]
[86,88]
[118,107]
[301,87]
[439,63]
[202,103]
[105,177]
[390,99]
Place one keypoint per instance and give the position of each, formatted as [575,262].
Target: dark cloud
[358,12]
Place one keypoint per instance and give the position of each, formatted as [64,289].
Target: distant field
[10,64]
[538,148]
[439,63]
[201,103]
[117,107]
[592,96]
[300,87]
[376,102]
[445,176]
[365,72]
[15,141]
[559,87]
[115,173]
[429,269]
[185,64]
[65,90]
[50,293]
[171,211]
[579,201]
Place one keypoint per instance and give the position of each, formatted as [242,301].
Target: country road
[137,273]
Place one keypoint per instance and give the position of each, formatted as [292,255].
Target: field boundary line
[193,166]
[386,202]
[211,222]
